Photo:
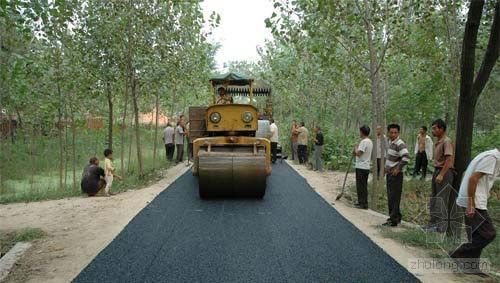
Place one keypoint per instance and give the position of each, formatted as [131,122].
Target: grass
[28,234]
[33,175]
[9,239]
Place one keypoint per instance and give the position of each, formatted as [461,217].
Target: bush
[483,140]
[337,149]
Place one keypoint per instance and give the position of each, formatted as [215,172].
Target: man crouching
[93,178]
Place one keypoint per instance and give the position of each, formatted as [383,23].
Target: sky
[241,28]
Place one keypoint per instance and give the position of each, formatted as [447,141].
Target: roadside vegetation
[9,238]
[81,76]
[34,175]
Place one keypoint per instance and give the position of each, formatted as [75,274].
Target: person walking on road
[303,136]
[168,139]
[423,152]
[318,149]
[397,158]
[363,153]
[442,190]
[473,198]
[274,140]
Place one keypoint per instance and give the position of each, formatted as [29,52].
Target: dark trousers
[480,232]
[302,153]
[180,152]
[190,149]
[362,186]
[379,163]
[93,188]
[169,150]
[274,151]
[420,164]
[439,204]
[295,148]
[394,190]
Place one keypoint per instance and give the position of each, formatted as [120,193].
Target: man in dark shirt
[92,178]
[318,149]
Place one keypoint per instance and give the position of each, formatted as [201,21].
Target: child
[109,170]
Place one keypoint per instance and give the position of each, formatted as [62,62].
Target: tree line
[63,61]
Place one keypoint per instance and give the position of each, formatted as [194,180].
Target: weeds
[33,175]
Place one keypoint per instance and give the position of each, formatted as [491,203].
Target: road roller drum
[232,171]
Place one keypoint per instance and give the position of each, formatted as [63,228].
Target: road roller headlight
[215,117]
[247,117]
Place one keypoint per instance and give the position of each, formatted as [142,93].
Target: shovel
[345,179]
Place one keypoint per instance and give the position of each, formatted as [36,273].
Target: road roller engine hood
[232,118]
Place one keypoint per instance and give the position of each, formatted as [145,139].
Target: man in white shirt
[274,140]
[168,139]
[473,197]
[363,153]
[423,152]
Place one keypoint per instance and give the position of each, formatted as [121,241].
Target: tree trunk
[61,142]
[32,148]
[123,128]
[19,118]
[131,141]
[376,100]
[73,142]
[137,126]
[110,115]
[172,105]
[347,115]
[470,88]
[155,146]
[2,156]
[65,152]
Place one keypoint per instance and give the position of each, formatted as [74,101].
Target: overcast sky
[241,29]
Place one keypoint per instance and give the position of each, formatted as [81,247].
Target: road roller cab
[229,159]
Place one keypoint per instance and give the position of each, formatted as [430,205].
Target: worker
[223,97]
[473,196]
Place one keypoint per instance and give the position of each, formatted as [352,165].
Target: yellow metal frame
[231,141]
[231,118]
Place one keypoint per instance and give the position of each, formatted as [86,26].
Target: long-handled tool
[345,179]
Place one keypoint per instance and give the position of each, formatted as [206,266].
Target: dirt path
[328,185]
[78,229]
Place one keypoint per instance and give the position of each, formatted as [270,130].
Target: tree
[471,84]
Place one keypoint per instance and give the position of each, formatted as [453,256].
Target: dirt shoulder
[328,185]
[77,229]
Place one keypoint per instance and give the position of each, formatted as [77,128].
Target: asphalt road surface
[292,235]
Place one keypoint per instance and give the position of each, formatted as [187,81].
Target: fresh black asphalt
[292,235]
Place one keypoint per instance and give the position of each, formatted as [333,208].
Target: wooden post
[214,93]
[251,92]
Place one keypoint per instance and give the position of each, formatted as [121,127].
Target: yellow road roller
[229,159]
